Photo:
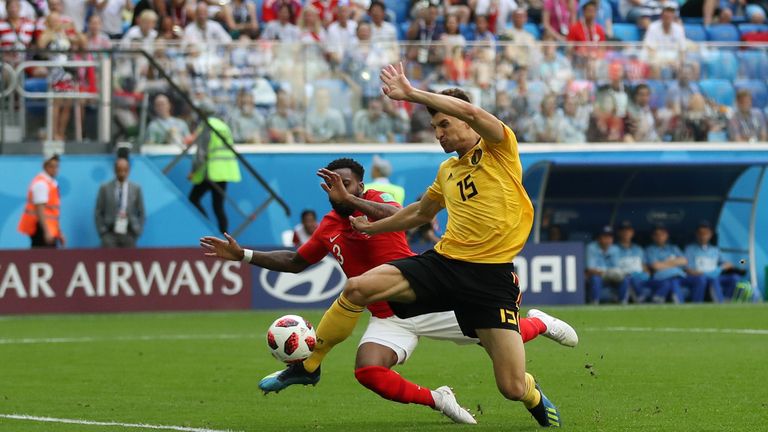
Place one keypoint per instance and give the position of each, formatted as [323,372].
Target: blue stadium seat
[749,28]
[720,65]
[400,8]
[533,29]
[753,64]
[626,32]
[757,88]
[695,32]
[658,93]
[402,30]
[719,90]
[36,85]
[723,33]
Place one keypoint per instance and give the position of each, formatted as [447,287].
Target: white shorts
[402,335]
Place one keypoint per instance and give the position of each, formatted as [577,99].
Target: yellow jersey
[489,212]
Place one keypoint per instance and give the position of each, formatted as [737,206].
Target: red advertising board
[119,280]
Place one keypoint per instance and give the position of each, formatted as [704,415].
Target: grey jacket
[107,207]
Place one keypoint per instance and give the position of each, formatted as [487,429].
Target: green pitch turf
[636,369]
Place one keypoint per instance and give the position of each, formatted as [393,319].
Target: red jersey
[357,252]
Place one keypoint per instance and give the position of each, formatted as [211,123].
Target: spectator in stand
[605,124]
[482,34]
[587,29]
[60,36]
[451,37]
[698,120]
[603,15]
[460,8]
[547,124]
[557,16]
[704,9]
[325,124]
[457,67]
[96,39]
[512,114]
[66,20]
[282,29]
[497,11]
[373,125]
[755,13]
[342,33]
[381,30]
[426,30]
[119,211]
[705,268]
[641,120]
[143,34]
[284,125]
[363,62]
[111,14]
[28,9]
[380,172]
[603,268]
[575,120]
[270,10]
[40,220]
[681,91]
[667,262]
[616,90]
[165,128]
[747,123]
[203,30]
[554,69]
[521,108]
[242,16]
[303,231]
[327,9]
[522,49]
[665,39]
[635,10]
[314,44]
[631,262]
[248,125]
[16,32]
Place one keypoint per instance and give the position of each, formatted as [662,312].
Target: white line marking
[98,423]
[86,339]
[680,330]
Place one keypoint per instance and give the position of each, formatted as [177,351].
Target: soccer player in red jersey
[388,340]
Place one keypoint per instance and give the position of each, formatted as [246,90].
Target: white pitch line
[98,423]
[86,339]
[680,330]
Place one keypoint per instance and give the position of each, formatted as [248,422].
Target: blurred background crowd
[291,71]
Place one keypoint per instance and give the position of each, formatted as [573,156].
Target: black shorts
[481,295]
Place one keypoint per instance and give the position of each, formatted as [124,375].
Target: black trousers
[38,238]
[197,192]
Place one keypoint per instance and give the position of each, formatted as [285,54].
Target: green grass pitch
[636,369]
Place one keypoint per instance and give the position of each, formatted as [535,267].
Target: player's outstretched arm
[281,260]
[334,187]
[416,214]
[396,86]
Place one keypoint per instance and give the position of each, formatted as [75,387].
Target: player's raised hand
[227,249]
[333,186]
[394,84]
[362,224]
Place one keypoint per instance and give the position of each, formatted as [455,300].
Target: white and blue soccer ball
[291,339]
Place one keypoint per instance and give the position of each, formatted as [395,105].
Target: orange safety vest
[28,222]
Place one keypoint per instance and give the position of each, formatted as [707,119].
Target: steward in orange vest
[40,220]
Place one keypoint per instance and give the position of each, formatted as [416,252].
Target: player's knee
[355,293]
[512,389]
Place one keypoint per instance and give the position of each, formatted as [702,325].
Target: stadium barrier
[133,280]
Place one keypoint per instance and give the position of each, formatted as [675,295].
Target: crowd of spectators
[291,71]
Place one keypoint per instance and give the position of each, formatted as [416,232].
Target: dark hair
[638,88]
[589,3]
[352,164]
[290,10]
[308,212]
[378,3]
[453,92]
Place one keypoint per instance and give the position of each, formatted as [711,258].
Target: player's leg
[505,348]
[340,320]
[549,326]
[391,341]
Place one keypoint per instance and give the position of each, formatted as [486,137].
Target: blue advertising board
[550,273]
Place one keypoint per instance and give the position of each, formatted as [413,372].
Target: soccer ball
[291,339]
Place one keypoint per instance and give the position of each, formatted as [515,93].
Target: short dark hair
[352,164]
[638,88]
[589,3]
[308,212]
[378,3]
[453,92]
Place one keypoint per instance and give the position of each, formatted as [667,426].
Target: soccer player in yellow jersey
[469,271]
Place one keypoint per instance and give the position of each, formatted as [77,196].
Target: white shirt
[504,9]
[75,9]
[385,33]
[655,37]
[134,35]
[112,17]
[213,32]
[341,38]
[40,190]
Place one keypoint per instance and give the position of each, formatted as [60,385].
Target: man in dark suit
[119,209]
